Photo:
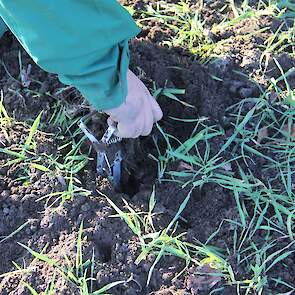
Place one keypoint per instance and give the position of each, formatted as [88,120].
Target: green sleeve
[84,42]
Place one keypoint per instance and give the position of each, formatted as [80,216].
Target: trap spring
[109,141]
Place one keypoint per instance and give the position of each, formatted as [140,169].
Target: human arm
[84,42]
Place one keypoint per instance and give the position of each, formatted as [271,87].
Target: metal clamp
[103,166]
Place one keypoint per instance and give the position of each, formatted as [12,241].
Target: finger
[132,129]
[138,125]
[114,124]
[123,132]
[111,122]
[148,121]
[157,112]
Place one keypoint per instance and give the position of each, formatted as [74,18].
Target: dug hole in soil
[115,248]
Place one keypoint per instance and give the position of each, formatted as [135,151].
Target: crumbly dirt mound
[114,246]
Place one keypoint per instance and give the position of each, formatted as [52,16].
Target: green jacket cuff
[106,87]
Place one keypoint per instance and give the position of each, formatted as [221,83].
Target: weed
[185,23]
[166,242]
[263,128]
[78,273]
[5,120]
[26,152]
[68,194]
[62,167]
[189,30]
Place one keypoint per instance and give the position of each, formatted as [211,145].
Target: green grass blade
[29,141]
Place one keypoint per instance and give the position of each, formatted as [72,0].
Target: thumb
[130,129]
[157,112]
[111,122]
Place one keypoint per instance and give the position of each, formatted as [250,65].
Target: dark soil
[114,246]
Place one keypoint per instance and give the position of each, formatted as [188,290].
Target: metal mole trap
[109,154]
